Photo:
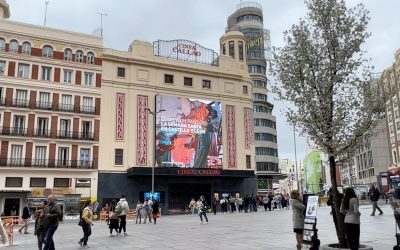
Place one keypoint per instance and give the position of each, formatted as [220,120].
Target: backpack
[118,208]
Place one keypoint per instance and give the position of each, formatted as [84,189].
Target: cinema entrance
[180,195]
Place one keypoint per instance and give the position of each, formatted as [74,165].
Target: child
[139,212]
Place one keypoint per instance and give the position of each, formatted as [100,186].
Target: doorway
[12,206]
[180,195]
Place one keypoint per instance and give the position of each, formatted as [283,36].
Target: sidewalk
[261,230]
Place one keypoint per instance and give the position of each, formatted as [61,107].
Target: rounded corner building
[248,19]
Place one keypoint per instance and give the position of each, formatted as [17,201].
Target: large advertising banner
[188,132]
[313,172]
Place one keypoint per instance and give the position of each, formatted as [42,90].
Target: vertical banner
[142,130]
[248,127]
[189,132]
[119,117]
[230,123]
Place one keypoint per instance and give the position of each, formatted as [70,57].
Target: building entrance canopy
[205,172]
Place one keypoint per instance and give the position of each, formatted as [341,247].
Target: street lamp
[154,114]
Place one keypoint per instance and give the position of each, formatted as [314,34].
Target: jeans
[122,224]
[353,235]
[201,214]
[40,238]
[375,206]
[87,231]
[48,239]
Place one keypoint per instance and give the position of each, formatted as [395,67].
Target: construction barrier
[8,223]
[132,214]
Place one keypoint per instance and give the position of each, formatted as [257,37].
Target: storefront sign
[201,172]
[45,192]
[83,182]
[259,41]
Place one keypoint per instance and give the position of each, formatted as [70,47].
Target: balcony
[20,103]
[86,136]
[47,163]
[14,131]
[44,105]
[64,134]
[87,109]
[66,107]
[43,133]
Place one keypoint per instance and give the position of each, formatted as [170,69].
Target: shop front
[12,202]
[175,187]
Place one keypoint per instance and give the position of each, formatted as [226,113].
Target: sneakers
[372,214]
[380,213]
[125,234]
[28,233]
[80,243]
[20,231]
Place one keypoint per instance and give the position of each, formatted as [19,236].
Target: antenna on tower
[45,12]
[101,22]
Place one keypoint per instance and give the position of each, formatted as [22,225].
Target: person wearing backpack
[374,195]
[87,223]
[113,218]
[52,214]
[122,209]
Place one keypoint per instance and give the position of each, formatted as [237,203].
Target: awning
[198,172]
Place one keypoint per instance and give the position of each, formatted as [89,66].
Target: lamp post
[154,114]
[295,156]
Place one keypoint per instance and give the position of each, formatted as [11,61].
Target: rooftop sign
[185,50]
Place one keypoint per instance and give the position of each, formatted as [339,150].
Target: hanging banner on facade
[188,132]
[313,172]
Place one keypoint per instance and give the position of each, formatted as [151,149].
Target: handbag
[81,222]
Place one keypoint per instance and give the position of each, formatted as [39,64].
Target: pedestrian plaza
[261,230]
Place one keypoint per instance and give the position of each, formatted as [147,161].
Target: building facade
[181,111]
[50,92]
[248,19]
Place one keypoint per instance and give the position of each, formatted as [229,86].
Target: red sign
[187,49]
[200,172]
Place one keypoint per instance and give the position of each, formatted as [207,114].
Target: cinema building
[182,109]
[49,113]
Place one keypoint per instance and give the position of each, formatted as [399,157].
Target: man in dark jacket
[52,213]
[26,214]
[397,192]
[374,195]
[333,211]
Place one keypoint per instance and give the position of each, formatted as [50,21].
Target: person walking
[122,209]
[26,214]
[202,207]
[246,202]
[3,234]
[113,218]
[396,193]
[240,204]
[224,205]
[374,195]
[52,214]
[349,208]
[298,217]
[87,223]
[155,210]
[232,204]
[39,228]
[148,207]
[192,206]
[265,202]
[271,198]
[214,205]
[139,207]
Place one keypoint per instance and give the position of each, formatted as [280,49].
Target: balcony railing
[15,131]
[2,101]
[47,163]
[42,133]
[44,105]
[20,103]
[64,134]
[88,109]
[66,107]
[86,136]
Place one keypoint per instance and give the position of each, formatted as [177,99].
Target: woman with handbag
[298,217]
[155,210]
[349,208]
[113,218]
[86,223]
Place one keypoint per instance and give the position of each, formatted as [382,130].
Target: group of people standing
[148,210]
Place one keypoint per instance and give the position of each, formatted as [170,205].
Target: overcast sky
[203,21]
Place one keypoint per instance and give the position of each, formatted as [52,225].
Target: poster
[311,210]
[188,132]
[313,172]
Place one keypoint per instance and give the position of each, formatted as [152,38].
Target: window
[86,131]
[168,78]
[257,69]
[84,157]
[90,58]
[206,84]
[46,73]
[19,125]
[266,151]
[241,51]
[42,125]
[21,98]
[68,55]
[68,76]
[40,156]
[187,81]
[47,51]
[265,137]
[66,103]
[119,157]
[61,182]
[2,68]
[397,125]
[245,91]
[2,44]
[79,56]
[224,49]
[26,48]
[87,106]
[16,155]
[259,97]
[13,46]
[121,72]
[88,79]
[262,109]
[38,182]
[13,181]
[65,128]
[231,49]
[63,157]
[260,83]
[267,166]
[264,123]
[2,99]
[23,70]
[248,162]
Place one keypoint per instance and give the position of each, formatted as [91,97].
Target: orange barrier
[8,223]
[131,214]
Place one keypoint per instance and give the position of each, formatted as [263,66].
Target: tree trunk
[336,202]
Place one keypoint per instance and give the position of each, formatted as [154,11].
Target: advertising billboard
[188,132]
[313,172]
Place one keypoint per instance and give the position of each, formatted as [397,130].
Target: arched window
[47,51]
[26,48]
[90,58]
[2,44]
[68,55]
[79,56]
[13,46]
